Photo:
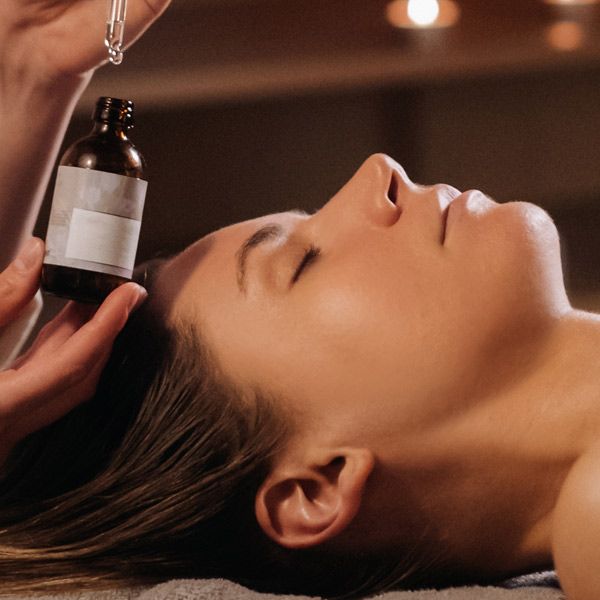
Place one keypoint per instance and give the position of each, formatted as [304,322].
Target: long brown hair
[155,478]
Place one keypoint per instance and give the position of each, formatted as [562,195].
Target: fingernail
[137,299]
[30,255]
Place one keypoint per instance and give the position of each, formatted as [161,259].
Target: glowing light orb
[565,36]
[571,2]
[423,12]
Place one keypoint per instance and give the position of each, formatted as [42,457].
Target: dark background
[246,107]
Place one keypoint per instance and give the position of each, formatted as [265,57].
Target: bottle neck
[110,129]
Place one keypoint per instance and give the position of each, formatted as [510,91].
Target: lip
[471,202]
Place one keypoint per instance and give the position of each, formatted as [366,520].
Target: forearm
[33,120]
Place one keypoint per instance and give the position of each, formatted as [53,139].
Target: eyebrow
[270,231]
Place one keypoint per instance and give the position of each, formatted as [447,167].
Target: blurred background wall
[246,107]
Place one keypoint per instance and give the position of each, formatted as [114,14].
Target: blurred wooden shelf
[206,51]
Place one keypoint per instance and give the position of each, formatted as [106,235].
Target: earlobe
[304,503]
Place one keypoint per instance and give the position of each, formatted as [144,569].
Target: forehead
[206,271]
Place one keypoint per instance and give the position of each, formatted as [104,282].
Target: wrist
[36,100]
[29,79]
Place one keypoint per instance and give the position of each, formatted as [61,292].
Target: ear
[303,503]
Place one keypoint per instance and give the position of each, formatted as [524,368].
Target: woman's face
[386,309]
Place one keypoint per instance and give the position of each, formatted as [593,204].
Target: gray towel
[537,586]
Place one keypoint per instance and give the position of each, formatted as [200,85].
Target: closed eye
[310,255]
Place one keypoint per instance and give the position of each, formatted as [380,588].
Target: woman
[392,391]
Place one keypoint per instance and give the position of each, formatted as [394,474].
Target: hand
[62,367]
[51,39]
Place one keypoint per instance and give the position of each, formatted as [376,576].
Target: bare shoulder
[576,530]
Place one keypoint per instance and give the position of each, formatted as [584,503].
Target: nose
[375,194]
[371,194]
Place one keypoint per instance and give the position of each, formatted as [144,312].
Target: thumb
[140,15]
[20,280]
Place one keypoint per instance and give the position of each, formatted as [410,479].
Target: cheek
[505,284]
[372,335]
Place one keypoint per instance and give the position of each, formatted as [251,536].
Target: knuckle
[102,332]
[15,292]
[44,332]
[75,373]
[9,285]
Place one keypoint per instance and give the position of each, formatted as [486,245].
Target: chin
[536,249]
[535,218]
[519,258]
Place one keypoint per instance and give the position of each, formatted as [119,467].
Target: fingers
[81,26]
[20,280]
[50,385]
[140,15]
[72,362]
[56,332]
[42,414]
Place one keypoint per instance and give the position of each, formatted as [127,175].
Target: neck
[491,476]
[513,451]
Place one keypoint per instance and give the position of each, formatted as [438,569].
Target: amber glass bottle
[96,209]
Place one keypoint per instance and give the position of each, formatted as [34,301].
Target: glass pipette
[115,29]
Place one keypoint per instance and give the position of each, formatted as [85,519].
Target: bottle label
[95,221]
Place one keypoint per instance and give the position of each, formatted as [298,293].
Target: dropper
[115,29]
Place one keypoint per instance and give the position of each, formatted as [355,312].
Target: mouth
[446,194]
[445,221]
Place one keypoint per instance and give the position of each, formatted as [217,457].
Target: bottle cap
[114,110]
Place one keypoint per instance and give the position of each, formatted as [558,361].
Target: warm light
[571,2]
[565,36]
[422,14]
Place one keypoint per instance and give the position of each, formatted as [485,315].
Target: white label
[103,238]
[95,221]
